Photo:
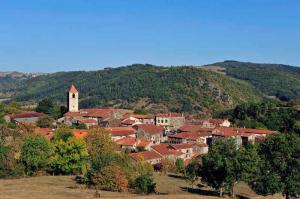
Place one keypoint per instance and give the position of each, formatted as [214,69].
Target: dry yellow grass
[60,187]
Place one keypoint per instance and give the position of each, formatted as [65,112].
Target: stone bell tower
[73,99]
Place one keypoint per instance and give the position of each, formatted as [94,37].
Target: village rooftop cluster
[151,137]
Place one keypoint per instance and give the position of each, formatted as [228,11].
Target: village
[152,137]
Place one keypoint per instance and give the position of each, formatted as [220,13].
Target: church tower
[73,99]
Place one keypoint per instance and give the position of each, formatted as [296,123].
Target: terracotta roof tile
[48,133]
[150,128]
[146,155]
[80,133]
[166,149]
[72,89]
[169,115]
[121,131]
[26,115]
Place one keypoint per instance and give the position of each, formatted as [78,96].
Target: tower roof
[72,89]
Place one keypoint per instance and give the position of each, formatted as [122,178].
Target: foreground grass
[60,187]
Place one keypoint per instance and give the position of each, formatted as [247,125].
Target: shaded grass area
[60,187]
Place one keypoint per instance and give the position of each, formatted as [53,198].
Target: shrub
[111,178]
[144,184]
[62,133]
[179,165]
[35,153]
[69,157]
[45,122]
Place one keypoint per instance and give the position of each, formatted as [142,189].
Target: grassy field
[59,187]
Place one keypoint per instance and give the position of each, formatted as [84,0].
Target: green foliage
[184,89]
[141,111]
[111,178]
[225,165]
[277,80]
[35,153]
[280,168]
[79,126]
[179,163]
[45,122]
[63,132]
[49,107]
[192,171]
[98,141]
[268,115]
[69,156]
[144,184]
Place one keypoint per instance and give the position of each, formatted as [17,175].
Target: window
[73,95]
[166,121]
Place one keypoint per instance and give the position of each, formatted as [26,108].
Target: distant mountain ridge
[279,80]
[203,89]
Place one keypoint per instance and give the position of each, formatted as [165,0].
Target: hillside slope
[278,80]
[185,89]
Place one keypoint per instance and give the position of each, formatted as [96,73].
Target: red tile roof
[26,115]
[133,141]
[140,116]
[146,155]
[94,112]
[190,128]
[150,128]
[255,131]
[166,149]
[182,146]
[126,141]
[121,131]
[226,132]
[185,135]
[128,122]
[72,89]
[80,133]
[87,120]
[169,115]
[48,133]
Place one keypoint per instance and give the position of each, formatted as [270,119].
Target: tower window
[73,95]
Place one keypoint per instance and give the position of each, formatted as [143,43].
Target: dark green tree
[49,107]
[145,184]
[280,168]
[45,122]
[35,153]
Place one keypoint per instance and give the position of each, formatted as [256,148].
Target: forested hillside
[185,89]
[278,80]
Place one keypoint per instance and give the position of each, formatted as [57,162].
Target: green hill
[278,80]
[188,89]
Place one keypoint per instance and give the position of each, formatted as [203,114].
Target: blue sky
[56,35]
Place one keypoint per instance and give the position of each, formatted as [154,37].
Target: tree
[168,165]
[144,184]
[98,141]
[45,122]
[192,171]
[49,107]
[35,153]
[111,178]
[69,156]
[179,163]
[63,132]
[280,168]
[217,166]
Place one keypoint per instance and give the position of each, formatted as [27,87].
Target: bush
[45,122]
[111,178]
[69,157]
[180,165]
[62,133]
[144,184]
[35,153]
